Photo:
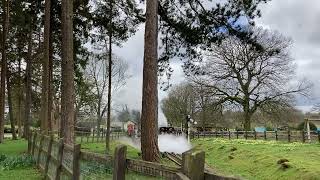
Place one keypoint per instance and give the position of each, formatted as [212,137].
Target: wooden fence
[93,136]
[57,160]
[152,169]
[289,136]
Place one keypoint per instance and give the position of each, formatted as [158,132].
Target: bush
[96,168]
[312,126]
[8,163]
[268,128]
[2,157]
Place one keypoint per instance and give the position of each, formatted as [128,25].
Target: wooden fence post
[59,163]
[222,133]
[216,133]
[39,149]
[276,135]
[303,137]
[229,135]
[193,164]
[237,133]
[289,138]
[46,168]
[246,134]
[255,135]
[265,135]
[81,138]
[76,161]
[34,143]
[119,162]
[29,142]
[319,136]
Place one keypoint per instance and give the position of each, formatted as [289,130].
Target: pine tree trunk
[5,26]
[12,122]
[67,66]
[19,101]
[45,72]
[149,118]
[50,85]
[110,80]
[28,90]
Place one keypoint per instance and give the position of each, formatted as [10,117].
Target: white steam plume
[166,142]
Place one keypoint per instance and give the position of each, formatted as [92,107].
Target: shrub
[2,157]
[312,126]
[8,163]
[96,168]
[268,128]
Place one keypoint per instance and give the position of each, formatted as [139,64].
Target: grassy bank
[259,159]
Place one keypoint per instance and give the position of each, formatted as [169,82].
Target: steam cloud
[166,142]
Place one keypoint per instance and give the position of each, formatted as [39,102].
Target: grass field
[258,159]
[239,158]
[14,149]
[100,148]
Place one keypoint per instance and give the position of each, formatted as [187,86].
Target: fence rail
[152,169]
[82,136]
[289,136]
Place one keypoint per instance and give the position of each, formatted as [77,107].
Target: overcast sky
[297,19]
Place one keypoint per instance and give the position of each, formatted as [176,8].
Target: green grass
[258,159]
[15,148]
[100,148]
[132,152]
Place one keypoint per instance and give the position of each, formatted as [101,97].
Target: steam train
[167,130]
[177,130]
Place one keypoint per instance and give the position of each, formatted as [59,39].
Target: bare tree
[149,117]
[249,75]
[184,99]
[98,72]
[181,101]
[67,71]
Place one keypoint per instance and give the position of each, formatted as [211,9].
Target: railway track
[177,159]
